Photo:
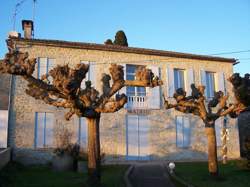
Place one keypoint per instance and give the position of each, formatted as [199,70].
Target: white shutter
[92,74]
[186,132]
[143,137]
[189,79]
[86,76]
[218,128]
[221,82]
[132,137]
[49,129]
[170,75]
[154,100]
[124,89]
[39,136]
[51,63]
[83,133]
[203,80]
[3,128]
[179,131]
[203,77]
[42,67]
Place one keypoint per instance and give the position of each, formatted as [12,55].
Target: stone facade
[4,91]
[162,126]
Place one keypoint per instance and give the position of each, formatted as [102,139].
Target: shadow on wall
[44,156]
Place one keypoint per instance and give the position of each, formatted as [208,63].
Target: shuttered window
[154,100]
[179,80]
[83,133]
[130,75]
[44,129]
[137,137]
[3,128]
[210,84]
[218,130]
[44,66]
[182,131]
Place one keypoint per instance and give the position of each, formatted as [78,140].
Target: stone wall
[162,133]
[4,91]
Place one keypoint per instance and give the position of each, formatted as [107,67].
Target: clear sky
[193,26]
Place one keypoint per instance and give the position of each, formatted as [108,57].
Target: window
[182,131]
[210,84]
[83,133]
[3,128]
[138,147]
[44,66]
[130,75]
[179,80]
[44,127]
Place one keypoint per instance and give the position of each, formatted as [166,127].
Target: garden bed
[197,174]
[16,175]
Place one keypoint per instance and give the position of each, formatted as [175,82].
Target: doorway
[137,135]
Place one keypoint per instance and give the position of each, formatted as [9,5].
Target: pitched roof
[115,48]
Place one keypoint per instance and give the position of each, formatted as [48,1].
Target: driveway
[150,175]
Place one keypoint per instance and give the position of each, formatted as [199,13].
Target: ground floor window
[3,128]
[83,133]
[44,129]
[182,131]
[137,130]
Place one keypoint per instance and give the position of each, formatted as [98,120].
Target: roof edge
[115,48]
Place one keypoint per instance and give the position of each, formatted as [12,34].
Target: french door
[137,137]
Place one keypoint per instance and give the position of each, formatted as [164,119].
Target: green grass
[16,175]
[197,174]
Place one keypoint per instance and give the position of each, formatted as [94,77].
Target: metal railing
[135,102]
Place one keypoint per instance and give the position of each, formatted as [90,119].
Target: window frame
[210,88]
[48,66]
[177,73]
[45,145]
[137,89]
[184,135]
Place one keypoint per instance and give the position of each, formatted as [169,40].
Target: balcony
[137,102]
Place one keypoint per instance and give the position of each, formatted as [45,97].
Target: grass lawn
[15,175]
[197,174]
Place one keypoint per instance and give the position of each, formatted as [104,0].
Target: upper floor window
[130,75]
[44,66]
[210,84]
[179,79]
[44,127]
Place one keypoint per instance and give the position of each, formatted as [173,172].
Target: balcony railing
[137,102]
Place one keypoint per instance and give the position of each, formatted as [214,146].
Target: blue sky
[193,26]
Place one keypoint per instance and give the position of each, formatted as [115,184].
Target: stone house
[4,105]
[143,130]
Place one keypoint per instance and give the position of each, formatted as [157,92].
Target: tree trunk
[94,158]
[212,150]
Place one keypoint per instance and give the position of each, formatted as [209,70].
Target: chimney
[28,28]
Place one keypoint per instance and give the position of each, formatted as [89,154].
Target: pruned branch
[65,88]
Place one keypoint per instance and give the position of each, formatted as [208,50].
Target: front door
[137,137]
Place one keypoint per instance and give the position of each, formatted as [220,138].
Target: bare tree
[65,91]
[209,112]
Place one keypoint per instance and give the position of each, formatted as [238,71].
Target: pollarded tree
[121,39]
[196,104]
[241,110]
[65,91]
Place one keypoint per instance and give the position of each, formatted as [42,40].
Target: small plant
[64,145]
